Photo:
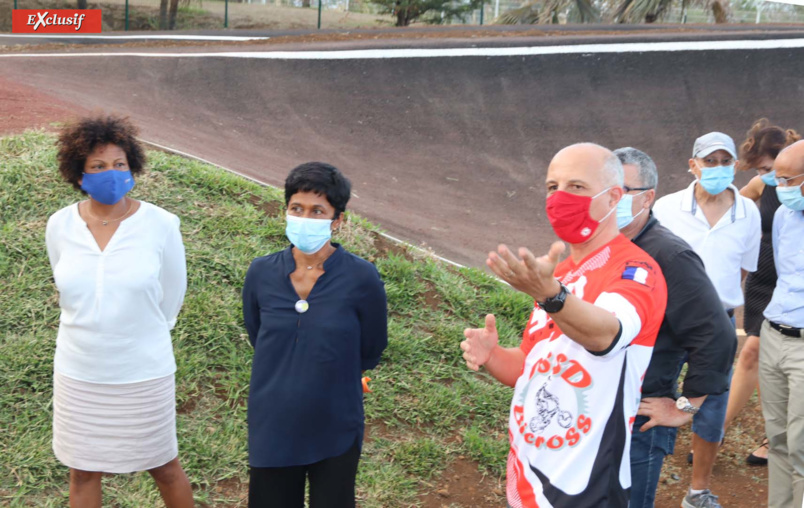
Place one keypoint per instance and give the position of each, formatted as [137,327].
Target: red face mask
[569,216]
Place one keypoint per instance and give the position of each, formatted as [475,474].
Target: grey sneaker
[703,500]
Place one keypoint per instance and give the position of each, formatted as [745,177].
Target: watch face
[682,402]
[555,303]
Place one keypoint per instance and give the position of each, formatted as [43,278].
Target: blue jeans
[648,450]
[708,422]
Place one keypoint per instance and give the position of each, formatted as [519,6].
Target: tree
[174,9]
[168,9]
[163,14]
[548,11]
[428,11]
[639,11]
[617,11]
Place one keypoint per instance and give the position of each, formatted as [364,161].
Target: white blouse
[117,305]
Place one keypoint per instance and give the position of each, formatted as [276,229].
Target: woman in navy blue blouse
[317,317]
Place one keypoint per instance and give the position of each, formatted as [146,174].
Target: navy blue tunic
[306,398]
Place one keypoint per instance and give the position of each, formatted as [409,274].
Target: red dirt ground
[23,107]
[738,485]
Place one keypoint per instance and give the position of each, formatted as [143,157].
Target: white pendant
[302,306]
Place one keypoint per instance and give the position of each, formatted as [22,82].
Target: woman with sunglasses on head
[759,150]
[316,316]
[119,267]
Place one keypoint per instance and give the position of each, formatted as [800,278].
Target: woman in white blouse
[119,267]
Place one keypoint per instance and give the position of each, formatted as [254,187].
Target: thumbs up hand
[479,343]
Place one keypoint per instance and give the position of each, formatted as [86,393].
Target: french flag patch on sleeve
[636,274]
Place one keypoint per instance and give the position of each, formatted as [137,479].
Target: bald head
[591,162]
[790,161]
[590,171]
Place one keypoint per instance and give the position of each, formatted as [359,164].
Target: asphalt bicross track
[450,151]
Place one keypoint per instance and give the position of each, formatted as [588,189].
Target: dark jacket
[695,322]
[306,399]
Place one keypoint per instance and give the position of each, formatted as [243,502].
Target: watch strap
[555,303]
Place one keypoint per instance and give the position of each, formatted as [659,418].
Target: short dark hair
[323,179]
[78,140]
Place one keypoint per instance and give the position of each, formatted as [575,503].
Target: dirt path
[24,107]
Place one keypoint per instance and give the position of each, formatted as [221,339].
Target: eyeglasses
[631,189]
[786,182]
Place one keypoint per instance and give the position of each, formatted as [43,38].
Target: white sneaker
[704,499]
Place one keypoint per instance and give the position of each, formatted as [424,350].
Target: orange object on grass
[366,379]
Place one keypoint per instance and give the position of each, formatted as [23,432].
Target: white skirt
[114,428]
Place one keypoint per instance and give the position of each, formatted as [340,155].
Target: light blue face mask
[791,197]
[308,235]
[624,217]
[769,178]
[716,180]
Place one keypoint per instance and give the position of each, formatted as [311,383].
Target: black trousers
[332,483]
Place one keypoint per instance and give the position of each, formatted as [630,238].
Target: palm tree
[643,11]
[586,11]
[649,11]
[545,12]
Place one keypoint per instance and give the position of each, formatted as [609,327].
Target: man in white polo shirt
[781,344]
[723,228]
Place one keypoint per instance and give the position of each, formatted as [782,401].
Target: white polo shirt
[732,244]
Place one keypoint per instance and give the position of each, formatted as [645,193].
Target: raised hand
[531,275]
[479,343]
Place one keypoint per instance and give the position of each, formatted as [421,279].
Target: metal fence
[121,15]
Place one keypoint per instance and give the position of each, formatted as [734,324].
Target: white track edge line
[370,54]
[263,184]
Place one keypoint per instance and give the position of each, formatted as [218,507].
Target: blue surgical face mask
[791,197]
[769,178]
[624,217]
[107,187]
[308,235]
[716,180]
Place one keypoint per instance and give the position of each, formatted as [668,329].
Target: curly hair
[764,140]
[78,140]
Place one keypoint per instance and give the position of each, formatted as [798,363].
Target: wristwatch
[555,303]
[683,404]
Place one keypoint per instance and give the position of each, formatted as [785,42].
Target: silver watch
[683,404]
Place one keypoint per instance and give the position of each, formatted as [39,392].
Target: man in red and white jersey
[578,371]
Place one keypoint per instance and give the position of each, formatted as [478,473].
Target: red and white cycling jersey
[572,411]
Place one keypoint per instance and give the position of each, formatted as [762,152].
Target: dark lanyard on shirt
[733,208]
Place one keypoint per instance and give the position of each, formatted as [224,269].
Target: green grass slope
[426,411]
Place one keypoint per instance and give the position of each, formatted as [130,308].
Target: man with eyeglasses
[724,229]
[694,325]
[781,343]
